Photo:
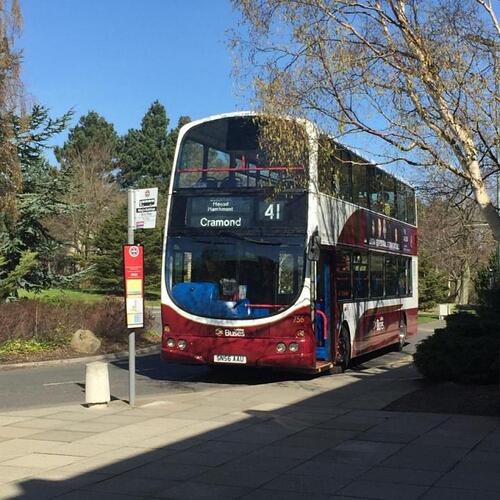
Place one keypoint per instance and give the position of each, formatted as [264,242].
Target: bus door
[324,305]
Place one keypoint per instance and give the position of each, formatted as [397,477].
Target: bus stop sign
[133,271]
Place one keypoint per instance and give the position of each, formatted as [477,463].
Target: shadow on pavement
[263,451]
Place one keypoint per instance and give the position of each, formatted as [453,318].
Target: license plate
[230,358]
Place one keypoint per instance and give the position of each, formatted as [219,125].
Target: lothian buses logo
[378,324]
[227,332]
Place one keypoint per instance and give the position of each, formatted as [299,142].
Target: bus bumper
[255,352]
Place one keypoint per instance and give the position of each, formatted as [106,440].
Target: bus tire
[344,347]
[403,332]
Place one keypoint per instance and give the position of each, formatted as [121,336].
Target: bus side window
[343,274]
[391,276]
[345,175]
[376,275]
[401,201]
[410,204]
[360,182]
[404,273]
[389,195]
[327,167]
[374,189]
[360,275]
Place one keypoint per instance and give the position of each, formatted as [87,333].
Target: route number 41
[273,211]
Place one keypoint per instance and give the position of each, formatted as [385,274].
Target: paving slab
[359,452]
[166,469]
[41,423]
[426,457]
[144,487]
[383,491]
[265,494]
[9,473]
[41,461]
[436,493]
[60,436]
[240,478]
[202,491]
[473,475]
[12,432]
[305,485]
[401,476]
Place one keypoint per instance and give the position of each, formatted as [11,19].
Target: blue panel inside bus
[203,299]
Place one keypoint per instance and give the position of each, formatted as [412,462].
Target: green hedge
[467,350]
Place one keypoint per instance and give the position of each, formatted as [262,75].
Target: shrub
[56,322]
[465,351]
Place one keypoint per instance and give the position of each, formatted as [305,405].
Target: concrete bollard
[97,383]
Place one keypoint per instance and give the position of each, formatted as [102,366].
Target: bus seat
[230,182]
[195,297]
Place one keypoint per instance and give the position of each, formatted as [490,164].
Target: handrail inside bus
[325,323]
[238,169]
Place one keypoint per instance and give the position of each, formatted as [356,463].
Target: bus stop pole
[131,336]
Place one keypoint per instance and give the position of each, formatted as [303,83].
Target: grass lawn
[427,316]
[59,294]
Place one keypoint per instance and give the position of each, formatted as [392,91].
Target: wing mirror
[313,247]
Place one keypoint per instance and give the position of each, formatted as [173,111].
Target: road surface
[60,384]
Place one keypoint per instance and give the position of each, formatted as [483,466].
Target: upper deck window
[347,176]
[225,154]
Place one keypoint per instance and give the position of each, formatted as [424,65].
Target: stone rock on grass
[85,342]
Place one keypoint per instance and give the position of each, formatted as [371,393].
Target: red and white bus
[299,266]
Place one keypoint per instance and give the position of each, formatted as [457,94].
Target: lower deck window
[373,275]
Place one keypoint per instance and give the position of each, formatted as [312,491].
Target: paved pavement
[327,436]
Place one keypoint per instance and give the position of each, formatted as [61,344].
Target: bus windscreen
[234,277]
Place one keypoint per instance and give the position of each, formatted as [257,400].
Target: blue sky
[117,56]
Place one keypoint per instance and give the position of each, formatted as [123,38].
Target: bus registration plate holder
[230,358]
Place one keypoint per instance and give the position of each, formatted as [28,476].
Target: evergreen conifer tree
[107,274]
[40,200]
[432,283]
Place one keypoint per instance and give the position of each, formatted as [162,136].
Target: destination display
[219,212]
[238,212]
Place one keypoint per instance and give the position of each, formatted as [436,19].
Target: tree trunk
[464,285]
[488,210]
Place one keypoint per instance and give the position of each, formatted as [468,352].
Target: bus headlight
[181,344]
[170,343]
[293,347]
[280,347]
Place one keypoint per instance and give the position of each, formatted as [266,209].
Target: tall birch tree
[420,77]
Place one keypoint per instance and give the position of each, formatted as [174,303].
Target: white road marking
[63,383]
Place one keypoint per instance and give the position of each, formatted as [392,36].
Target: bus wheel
[402,335]
[344,347]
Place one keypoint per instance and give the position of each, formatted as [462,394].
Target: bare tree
[94,196]
[456,239]
[10,92]
[418,76]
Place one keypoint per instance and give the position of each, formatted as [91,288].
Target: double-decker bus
[299,265]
